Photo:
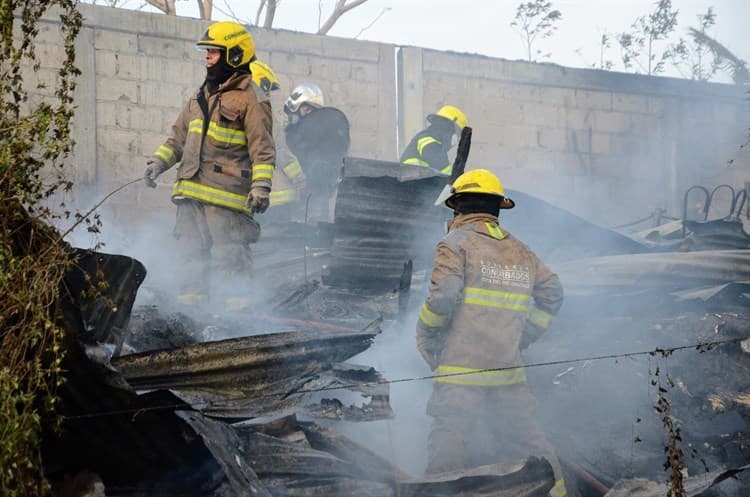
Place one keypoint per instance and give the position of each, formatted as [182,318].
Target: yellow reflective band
[415,162]
[293,169]
[166,154]
[559,489]
[192,299]
[209,195]
[423,142]
[279,197]
[237,303]
[262,171]
[219,133]
[539,317]
[457,375]
[431,319]
[447,169]
[495,231]
[497,299]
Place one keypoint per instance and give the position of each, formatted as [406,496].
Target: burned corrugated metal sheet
[135,444]
[268,374]
[676,270]
[534,478]
[558,235]
[384,216]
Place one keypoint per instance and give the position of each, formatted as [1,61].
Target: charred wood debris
[159,402]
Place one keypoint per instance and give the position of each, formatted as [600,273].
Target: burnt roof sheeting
[694,485]
[383,214]
[240,364]
[331,390]
[295,458]
[223,443]
[558,235]
[532,479]
[668,270]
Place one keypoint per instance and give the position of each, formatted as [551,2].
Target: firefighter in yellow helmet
[489,297]
[223,143]
[429,147]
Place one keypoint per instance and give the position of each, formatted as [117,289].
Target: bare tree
[341,8]
[205,7]
[534,20]
[642,40]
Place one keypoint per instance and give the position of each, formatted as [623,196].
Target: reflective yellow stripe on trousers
[458,375]
[497,299]
[209,195]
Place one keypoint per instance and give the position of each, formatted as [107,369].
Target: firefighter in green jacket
[490,296]
[224,144]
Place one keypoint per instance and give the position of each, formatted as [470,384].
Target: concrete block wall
[608,146]
[605,145]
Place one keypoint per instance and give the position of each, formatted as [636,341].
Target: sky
[483,26]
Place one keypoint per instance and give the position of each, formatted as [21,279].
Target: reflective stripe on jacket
[428,150]
[228,130]
[485,285]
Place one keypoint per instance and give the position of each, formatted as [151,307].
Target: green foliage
[693,58]
[534,20]
[644,47]
[34,140]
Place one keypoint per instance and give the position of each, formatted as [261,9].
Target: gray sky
[482,26]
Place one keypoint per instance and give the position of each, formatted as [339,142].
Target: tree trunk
[341,8]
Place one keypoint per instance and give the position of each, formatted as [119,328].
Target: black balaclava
[221,71]
[477,203]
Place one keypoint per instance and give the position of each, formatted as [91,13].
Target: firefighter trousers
[474,426]
[214,252]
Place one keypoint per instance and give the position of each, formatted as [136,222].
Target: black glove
[154,167]
[258,199]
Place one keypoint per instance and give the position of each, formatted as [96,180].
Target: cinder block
[119,141]
[364,72]
[108,89]
[563,97]
[177,71]
[611,122]
[106,63]
[626,102]
[600,143]
[519,136]
[162,95]
[578,118]
[170,48]
[349,49]
[553,139]
[542,114]
[586,99]
[116,41]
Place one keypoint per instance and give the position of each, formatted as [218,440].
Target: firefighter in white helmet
[429,147]
[223,143]
[489,297]
[316,139]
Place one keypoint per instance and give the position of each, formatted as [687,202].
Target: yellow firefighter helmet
[263,76]
[452,114]
[479,181]
[233,38]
